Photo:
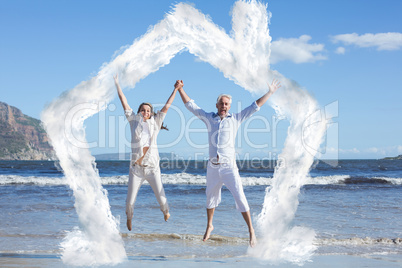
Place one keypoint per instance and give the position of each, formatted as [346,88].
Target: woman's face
[145,111]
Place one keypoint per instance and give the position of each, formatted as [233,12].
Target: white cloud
[382,41]
[349,151]
[297,50]
[372,152]
[386,151]
[340,50]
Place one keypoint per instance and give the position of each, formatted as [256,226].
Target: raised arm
[122,98]
[272,88]
[184,97]
[177,85]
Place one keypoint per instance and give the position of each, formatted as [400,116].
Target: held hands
[179,84]
[274,86]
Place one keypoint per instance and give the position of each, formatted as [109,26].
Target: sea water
[354,208]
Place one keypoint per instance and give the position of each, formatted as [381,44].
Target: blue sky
[345,53]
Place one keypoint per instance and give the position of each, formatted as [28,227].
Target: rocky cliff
[22,137]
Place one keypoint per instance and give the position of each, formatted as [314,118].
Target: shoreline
[329,260]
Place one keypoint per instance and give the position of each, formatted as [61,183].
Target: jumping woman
[144,165]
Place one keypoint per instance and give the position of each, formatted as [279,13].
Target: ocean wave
[185,178]
[354,241]
[346,179]
[32,180]
[327,180]
[185,237]
[220,239]
[196,179]
[396,181]
[357,241]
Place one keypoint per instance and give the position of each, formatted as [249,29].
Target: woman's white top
[145,135]
[138,131]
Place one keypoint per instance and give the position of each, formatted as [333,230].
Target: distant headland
[399,157]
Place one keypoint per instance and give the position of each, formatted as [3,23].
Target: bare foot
[129,226]
[208,231]
[167,216]
[253,239]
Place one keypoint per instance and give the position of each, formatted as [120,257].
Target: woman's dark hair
[152,112]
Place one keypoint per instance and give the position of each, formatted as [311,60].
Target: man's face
[223,106]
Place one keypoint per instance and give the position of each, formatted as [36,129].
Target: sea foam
[194,179]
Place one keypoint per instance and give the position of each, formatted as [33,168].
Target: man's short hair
[224,95]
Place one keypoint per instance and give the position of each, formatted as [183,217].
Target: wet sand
[36,260]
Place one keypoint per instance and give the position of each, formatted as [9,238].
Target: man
[222,129]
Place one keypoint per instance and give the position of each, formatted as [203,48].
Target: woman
[144,165]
